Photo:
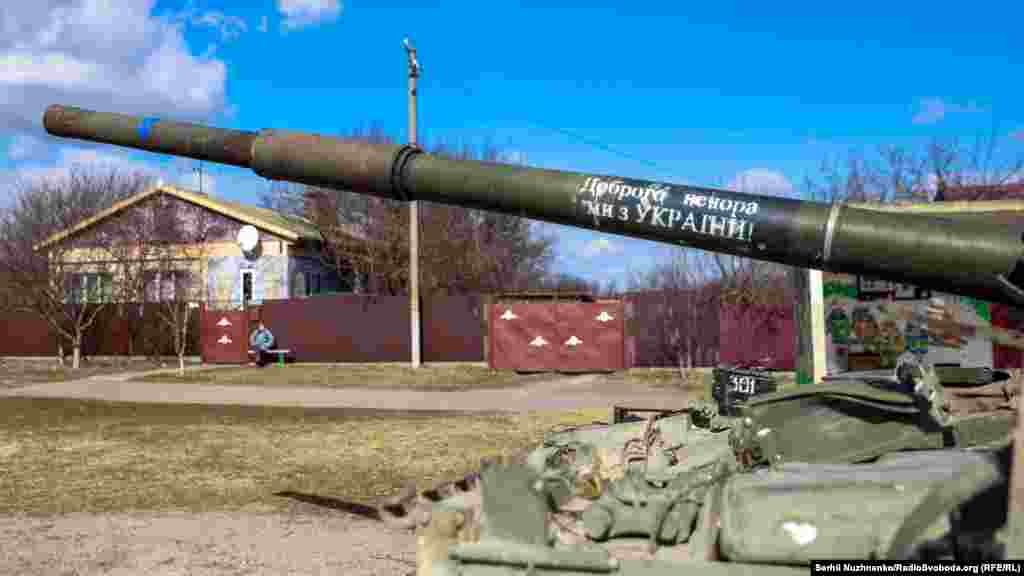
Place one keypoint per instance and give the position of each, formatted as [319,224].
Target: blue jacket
[261,339]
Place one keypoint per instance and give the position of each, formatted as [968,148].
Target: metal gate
[562,336]
[223,339]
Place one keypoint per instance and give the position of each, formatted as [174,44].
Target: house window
[89,287]
[246,286]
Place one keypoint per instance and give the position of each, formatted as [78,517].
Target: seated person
[261,340]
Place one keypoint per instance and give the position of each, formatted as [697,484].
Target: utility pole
[414,220]
[809,312]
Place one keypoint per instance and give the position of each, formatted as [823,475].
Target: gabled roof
[289,227]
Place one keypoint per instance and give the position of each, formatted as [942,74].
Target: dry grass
[440,377]
[20,372]
[59,456]
[690,379]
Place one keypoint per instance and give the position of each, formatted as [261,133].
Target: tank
[971,258]
[872,465]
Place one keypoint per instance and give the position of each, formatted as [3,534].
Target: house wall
[224,278]
[299,265]
[91,260]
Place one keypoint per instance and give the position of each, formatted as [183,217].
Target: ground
[15,372]
[76,461]
[209,544]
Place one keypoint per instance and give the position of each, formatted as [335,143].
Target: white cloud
[179,171]
[599,247]
[931,110]
[761,181]
[300,13]
[230,27]
[513,157]
[69,157]
[105,55]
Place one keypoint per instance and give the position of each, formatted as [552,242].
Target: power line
[595,143]
[599,145]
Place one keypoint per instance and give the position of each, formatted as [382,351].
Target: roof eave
[191,197]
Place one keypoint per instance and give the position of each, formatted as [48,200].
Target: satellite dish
[248,237]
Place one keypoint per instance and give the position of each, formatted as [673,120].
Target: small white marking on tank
[801,532]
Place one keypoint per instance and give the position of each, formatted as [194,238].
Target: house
[284,260]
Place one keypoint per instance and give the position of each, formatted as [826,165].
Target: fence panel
[758,335]
[565,336]
[341,327]
[117,330]
[453,328]
[669,328]
[225,336]
[590,336]
[26,334]
[1004,357]
[523,336]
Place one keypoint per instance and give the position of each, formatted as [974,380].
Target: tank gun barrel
[971,258]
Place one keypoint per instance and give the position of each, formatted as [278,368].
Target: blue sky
[747,95]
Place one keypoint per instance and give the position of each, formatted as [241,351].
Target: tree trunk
[77,358]
[181,341]
[60,353]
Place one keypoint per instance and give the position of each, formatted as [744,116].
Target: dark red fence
[564,336]
[453,328]
[225,336]
[341,327]
[370,328]
[118,330]
[764,335]
[672,328]
[1011,319]
[665,328]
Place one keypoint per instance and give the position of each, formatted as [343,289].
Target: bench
[281,353]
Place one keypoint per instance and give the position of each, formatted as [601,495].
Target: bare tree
[565,282]
[687,306]
[971,167]
[894,173]
[69,281]
[161,247]
[179,243]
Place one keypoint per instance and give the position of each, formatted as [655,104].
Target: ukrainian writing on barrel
[706,214]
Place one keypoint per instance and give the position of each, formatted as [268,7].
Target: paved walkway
[560,393]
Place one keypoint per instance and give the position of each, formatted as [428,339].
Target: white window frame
[241,285]
[86,282]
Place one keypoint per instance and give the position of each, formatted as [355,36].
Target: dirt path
[560,393]
[213,544]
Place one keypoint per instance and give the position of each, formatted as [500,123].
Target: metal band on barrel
[402,157]
[830,230]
